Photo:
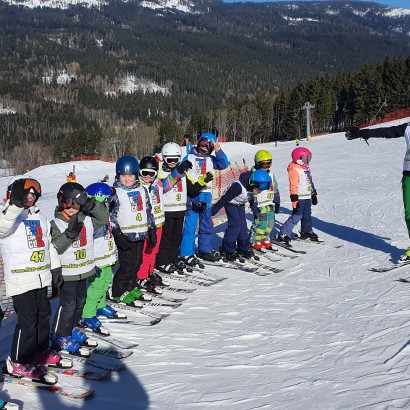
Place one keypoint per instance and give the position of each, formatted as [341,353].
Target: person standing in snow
[175,205]
[235,243]
[147,279]
[201,205]
[265,205]
[31,264]
[133,225]
[397,131]
[302,194]
[105,255]
[72,231]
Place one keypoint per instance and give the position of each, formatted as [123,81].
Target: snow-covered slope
[326,333]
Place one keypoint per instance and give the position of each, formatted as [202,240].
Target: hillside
[98,72]
[206,57]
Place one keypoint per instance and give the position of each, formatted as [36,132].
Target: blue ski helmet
[260,179]
[127,165]
[207,136]
[100,191]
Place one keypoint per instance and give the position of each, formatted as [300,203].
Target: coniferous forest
[241,70]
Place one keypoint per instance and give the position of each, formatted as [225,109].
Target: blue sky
[405,4]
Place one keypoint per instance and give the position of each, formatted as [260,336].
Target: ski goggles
[148,173]
[262,186]
[306,159]
[173,160]
[67,203]
[265,163]
[208,145]
[32,186]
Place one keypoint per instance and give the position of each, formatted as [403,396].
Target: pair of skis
[73,392]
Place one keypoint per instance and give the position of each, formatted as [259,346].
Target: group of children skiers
[146,225]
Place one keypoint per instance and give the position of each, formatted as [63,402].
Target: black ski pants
[32,332]
[70,309]
[171,240]
[125,280]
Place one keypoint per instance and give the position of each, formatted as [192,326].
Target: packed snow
[325,333]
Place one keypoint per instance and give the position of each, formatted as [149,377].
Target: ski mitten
[184,166]
[87,204]
[74,228]
[121,240]
[152,237]
[57,277]
[295,201]
[18,193]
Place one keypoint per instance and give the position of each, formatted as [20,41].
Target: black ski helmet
[67,193]
[149,162]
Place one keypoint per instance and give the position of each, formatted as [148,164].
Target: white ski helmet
[171,150]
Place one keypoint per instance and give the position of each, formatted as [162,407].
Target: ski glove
[208,177]
[277,208]
[87,204]
[214,211]
[58,279]
[353,133]
[122,241]
[74,228]
[295,201]
[152,237]
[97,272]
[314,198]
[18,193]
[184,166]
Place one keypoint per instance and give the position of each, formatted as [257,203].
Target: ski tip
[83,396]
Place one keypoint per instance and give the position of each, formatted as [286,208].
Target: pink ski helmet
[301,156]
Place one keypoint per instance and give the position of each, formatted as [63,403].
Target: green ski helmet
[262,155]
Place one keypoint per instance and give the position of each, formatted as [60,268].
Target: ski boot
[110,313]
[169,269]
[309,236]
[70,345]
[249,254]
[193,261]
[258,247]
[5,405]
[231,257]
[147,285]
[157,279]
[33,371]
[406,256]
[79,336]
[183,267]
[141,296]
[53,359]
[94,324]
[127,298]
[285,239]
[212,256]
[268,245]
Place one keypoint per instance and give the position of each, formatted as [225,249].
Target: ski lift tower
[308,106]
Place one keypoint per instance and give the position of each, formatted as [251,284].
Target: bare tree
[30,155]
[248,121]
[222,122]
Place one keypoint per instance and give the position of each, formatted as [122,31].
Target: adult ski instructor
[201,205]
[397,131]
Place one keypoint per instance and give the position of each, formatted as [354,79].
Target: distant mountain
[141,60]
